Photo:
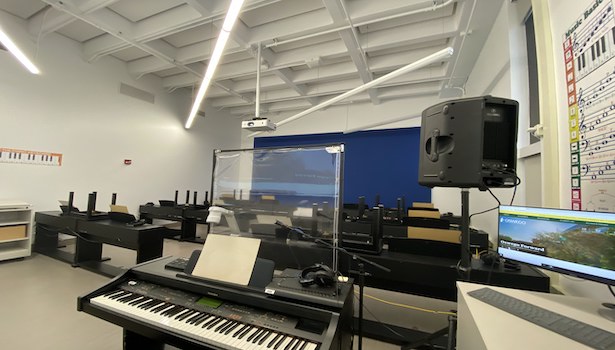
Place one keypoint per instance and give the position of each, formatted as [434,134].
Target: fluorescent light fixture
[229,21]
[15,51]
[435,57]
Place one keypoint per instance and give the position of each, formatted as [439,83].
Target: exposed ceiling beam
[122,29]
[349,36]
[50,20]
[241,36]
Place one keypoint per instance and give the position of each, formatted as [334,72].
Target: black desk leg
[150,249]
[188,229]
[134,341]
[87,251]
[45,240]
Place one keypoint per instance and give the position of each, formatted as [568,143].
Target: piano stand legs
[134,341]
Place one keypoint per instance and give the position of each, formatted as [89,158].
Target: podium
[482,326]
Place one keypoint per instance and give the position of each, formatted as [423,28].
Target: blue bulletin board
[376,162]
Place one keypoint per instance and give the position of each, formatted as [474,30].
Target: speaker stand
[466,257]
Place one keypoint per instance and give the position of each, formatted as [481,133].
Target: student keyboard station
[91,229]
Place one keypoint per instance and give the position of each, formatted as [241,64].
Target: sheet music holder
[227,259]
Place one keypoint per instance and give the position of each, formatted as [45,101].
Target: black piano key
[160,308]
[192,319]
[108,294]
[150,304]
[215,323]
[579,62]
[138,300]
[177,311]
[243,334]
[227,326]
[291,344]
[209,322]
[233,327]
[222,325]
[172,311]
[299,341]
[201,319]
[603,41]
[583,58]
[128,298]
[119,295]
[264,337]
[185,315]
[254,335]
[613,34]
[273,341]
[277,345]
[259,336]
[240,330]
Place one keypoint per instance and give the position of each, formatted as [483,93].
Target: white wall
[75,108]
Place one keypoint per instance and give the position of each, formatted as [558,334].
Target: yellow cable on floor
[408,306]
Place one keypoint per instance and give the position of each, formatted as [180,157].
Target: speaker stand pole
[361,285]
[465,232]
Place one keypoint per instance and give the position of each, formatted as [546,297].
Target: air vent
[134,92]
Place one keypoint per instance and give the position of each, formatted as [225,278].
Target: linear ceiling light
[435,57]
[15,51]
[229,21]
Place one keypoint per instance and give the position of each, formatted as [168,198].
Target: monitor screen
[577,243]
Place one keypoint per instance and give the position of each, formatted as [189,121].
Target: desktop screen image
[572,242]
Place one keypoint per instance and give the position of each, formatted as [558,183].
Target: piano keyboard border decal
[589,49]
[20,156]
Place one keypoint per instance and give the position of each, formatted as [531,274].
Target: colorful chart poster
[589,49]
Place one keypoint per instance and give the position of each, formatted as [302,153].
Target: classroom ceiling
[311,50]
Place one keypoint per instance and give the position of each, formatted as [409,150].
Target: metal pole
[465,229]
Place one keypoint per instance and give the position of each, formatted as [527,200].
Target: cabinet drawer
[12,232]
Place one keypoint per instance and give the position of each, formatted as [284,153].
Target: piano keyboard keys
[202,326]
[591,57]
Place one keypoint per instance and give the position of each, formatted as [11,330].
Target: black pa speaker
[469,142]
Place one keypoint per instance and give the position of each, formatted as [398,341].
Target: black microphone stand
[361,260]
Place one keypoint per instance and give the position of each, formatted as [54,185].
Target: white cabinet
[15,229]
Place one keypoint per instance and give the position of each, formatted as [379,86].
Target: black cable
[493,195]
[611,289]
[75,233]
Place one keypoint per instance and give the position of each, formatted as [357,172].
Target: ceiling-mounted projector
[261,124]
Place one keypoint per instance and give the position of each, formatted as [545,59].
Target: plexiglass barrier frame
[300,187]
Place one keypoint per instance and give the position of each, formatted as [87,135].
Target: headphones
[494,259]
[318,274]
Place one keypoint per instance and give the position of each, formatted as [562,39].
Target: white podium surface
[482,326]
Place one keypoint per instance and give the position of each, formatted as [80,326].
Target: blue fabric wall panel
[383,162]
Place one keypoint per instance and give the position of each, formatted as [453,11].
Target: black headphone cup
[317,274]
[491,258]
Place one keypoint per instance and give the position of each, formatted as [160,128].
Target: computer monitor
[577,243]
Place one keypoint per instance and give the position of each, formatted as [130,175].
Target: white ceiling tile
[22,8]
[80,31]
[137,10]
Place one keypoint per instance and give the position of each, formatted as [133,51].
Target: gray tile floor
[38,303]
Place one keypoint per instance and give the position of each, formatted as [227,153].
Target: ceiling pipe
[380,123]
[371,21]
[435,57]
[257,113]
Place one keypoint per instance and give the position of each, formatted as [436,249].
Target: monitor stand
[608,311]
